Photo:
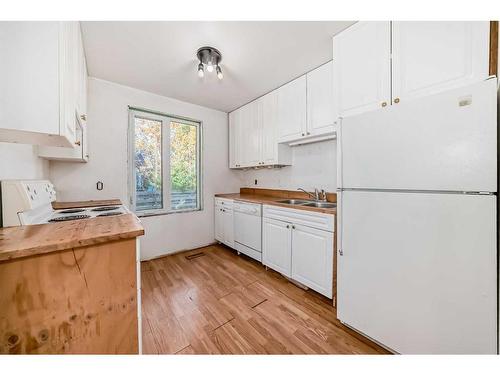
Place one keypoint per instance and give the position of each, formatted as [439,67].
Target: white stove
[27,202]
[85,213]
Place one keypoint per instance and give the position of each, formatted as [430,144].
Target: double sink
[308,203]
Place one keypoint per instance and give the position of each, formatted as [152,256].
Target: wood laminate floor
[222,303]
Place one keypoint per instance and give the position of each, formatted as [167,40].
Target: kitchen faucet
[316,195]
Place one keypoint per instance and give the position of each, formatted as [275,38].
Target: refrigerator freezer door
[418,271]
[441,142]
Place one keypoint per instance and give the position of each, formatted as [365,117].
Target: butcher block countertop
[24,241]
[80,204]
[271,197]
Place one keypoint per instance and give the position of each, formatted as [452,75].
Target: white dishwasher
[248,229]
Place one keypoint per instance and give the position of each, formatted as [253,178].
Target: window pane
[183,166]
[148,180]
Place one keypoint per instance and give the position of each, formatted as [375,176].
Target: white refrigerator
[417,236]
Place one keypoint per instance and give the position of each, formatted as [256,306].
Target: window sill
[161,213]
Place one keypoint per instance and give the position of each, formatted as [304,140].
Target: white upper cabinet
[40,80]
[271,152]
[428,57]
[362,68]
[234,138]
[301,111]
[253,135]
[74,102]
[320,109]
[292,109]
[269,117]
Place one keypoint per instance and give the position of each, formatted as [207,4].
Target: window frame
[166,119]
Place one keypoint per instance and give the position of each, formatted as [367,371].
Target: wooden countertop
[80,204]
[273,200]
[23,241]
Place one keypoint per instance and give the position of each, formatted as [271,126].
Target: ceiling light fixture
[209,57]
[201,71]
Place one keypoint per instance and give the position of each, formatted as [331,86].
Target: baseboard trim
[179,251]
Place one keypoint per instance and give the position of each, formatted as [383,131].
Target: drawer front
[248,208]
[223,202]
[311,219]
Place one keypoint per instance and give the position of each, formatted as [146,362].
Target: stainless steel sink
[294,201]
[321,204]
[308,203]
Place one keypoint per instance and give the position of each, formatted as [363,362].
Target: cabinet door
[254,134]
[233,139]
[29,77]
[292,110]
[428,57]
[68,79]
[218,224]
[277,245]
[269,127]
[228,224]
[320,108]
[312,258]
[249,135]
[362,68]
[237,140]
[81,79]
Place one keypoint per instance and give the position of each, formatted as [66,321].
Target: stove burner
[110,214]
[105,208]
[72,211]
[67,218]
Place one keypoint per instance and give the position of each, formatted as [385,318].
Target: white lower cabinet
[312,258]
[219,224]
[299,244]
[277,249]
[224,224]
[228,226]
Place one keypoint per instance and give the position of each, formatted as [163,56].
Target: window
[165,163]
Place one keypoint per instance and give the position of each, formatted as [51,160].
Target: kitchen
[228,208]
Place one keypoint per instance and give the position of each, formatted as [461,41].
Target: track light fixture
[209,58]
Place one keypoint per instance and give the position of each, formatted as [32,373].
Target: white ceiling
[160,57]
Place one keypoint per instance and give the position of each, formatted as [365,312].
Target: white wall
[108,121]
[19,161]
[313,166]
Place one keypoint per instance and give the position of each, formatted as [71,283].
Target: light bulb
[219,72]
[210,67]
[201,73]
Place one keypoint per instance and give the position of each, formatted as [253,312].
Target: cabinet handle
[78,143]
[384,104]
[303,134]
[396,100]
[288,226]
[83,117]
[308,133]
[293,226]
